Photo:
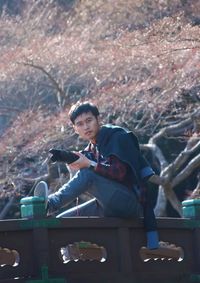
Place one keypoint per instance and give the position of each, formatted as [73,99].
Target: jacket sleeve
[145,169]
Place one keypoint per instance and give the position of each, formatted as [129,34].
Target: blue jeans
[110,197]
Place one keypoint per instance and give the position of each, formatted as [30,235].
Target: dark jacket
[114,140]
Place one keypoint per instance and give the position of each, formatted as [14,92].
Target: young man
[111,169]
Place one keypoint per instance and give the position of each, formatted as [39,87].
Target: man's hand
[82,162]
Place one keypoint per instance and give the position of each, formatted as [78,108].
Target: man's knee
[87,172]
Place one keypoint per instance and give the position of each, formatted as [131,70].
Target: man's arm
[145,169]
[114,169]
[147,173]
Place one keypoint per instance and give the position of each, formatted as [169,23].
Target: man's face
[87,126]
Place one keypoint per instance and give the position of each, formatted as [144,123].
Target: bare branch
[183,156]
[166,192]
[61,93]
[145,116]
[172,130]
[186,172]
[196,193]
[171,196]
[177,128]
[160,208]
[157,153]
[7,207]
[6,108]
[177,49]
[168,171]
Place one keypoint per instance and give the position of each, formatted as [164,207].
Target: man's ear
[75,130]
[98,120]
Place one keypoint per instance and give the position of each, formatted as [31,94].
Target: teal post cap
[30,200]
[191,202]
[33,207]
[191,208]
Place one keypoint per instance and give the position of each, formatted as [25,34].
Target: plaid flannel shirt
[111,167]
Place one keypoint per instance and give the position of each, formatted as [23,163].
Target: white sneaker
[41,190]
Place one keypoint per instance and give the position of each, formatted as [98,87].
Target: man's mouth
[88,133]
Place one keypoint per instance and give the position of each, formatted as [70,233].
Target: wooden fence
[102,250]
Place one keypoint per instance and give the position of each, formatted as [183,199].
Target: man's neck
[93,141]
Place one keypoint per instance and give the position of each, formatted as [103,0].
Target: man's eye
[79,124]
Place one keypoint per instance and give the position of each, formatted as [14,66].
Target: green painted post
[33,207]
[191,208]
[195,278]
[45,277]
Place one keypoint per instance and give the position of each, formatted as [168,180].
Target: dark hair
[82,107]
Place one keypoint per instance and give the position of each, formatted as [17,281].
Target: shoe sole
[41,190]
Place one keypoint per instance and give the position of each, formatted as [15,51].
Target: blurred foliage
[138,60]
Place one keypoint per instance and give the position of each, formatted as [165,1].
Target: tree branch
[168,171]
[160,208]
[183,156]
[192,165]
[196,193]
[177,128]
[6,108]
[7,207]
[61,93]
[157,153]
[171,196]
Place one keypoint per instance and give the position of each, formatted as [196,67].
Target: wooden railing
[94,250]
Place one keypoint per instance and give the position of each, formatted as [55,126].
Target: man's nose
[85,126]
